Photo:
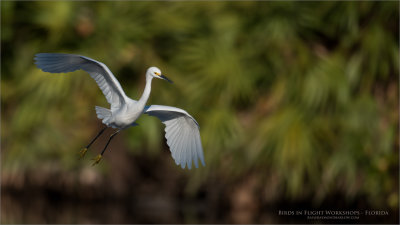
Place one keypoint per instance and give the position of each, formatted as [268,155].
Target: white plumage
[181,131]
[182,134]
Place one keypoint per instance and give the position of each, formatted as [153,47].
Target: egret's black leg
[84,150]
[98,157]
[109,140]
[94,139]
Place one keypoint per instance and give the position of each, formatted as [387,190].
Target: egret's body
[182,130]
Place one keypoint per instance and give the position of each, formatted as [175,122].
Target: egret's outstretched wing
[64,63]
[182,134]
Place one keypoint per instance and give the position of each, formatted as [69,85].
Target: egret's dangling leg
[84,150]
[98,157]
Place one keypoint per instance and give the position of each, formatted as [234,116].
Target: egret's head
[155,72]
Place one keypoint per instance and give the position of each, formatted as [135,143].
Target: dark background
[297,104]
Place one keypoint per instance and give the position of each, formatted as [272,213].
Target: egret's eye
[158,74]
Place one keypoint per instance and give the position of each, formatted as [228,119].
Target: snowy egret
[181,131]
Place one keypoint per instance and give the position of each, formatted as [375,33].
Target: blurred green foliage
[302,95]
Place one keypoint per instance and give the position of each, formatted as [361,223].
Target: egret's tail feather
[103,114]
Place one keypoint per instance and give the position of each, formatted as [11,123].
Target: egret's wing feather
[64,63]
[190,155]
[172,136]
[183,151]
[182,134]
[194,153]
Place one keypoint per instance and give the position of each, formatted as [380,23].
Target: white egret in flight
[182,130]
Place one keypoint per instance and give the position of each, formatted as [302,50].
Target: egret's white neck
[146,93]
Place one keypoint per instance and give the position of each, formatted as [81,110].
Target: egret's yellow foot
[82,153]
[97,159]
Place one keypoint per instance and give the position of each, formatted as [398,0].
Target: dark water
[134,192]
[53,208]
[36,206]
